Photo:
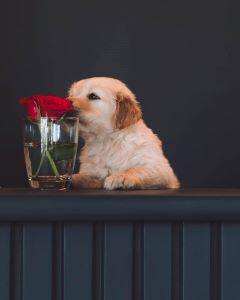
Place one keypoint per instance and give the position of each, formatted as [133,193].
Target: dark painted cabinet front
[181,250]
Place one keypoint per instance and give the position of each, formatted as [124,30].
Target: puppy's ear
[127,112]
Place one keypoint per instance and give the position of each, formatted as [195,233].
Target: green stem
[40,164]
[52,163]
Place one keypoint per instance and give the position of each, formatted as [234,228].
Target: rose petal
[53,106]
[30,107]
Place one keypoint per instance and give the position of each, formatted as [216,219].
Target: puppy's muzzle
[73,99]
[76,111]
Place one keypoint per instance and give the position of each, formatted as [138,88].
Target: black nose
[73,113]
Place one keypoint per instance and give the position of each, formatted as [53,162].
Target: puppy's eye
[93,96]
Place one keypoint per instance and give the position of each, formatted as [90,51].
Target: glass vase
[50,148]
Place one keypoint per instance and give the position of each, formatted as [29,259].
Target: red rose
[30,107]
[50,106]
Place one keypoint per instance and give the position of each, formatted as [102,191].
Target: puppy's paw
[82,181]
[119,181]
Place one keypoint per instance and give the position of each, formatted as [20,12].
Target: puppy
[120,151]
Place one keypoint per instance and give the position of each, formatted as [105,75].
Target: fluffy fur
[120,150]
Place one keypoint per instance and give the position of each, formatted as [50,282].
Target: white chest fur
[107,154]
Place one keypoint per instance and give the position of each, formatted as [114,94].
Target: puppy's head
[104,104]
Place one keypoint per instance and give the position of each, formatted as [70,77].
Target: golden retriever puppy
[120,151]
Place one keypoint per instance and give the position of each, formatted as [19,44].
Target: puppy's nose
[72,99]
[75,102]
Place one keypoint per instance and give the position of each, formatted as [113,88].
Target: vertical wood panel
[138,261]
[157,261]
[58,262]
[118,262]
[37,262]
[98,261]
[177,261]
[230,261]
[16,261]
[5,235]
[215,261]
[196,261]
[78,261]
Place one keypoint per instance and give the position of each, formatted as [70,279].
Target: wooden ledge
[99,205]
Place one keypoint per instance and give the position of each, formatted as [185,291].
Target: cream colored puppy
[120,150]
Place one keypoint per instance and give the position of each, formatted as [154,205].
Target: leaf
[62,117]
[63,151]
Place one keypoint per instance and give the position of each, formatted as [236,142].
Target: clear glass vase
[50,148]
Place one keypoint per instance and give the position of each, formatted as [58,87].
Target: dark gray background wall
[181,58]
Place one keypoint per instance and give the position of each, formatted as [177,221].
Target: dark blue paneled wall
[80,252]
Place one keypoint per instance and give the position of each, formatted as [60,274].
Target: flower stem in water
[52,163]
[40,164]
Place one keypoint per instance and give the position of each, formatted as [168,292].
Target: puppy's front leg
[84,181]
[128,179]
[141,178]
